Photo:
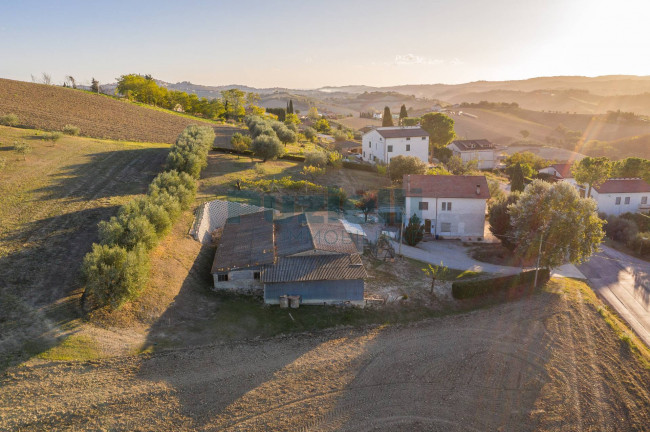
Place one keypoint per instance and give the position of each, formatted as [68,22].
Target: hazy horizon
[306,46]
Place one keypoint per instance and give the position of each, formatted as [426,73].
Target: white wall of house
[375,148]
[486,159]
[243,281]
[619,203]
[465,220]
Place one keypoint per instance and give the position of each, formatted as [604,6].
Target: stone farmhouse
[381,144]
[449,206]
[482,151]
[310,255]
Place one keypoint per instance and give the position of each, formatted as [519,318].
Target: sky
[312,44]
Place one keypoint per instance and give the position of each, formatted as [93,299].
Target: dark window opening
[256,275]
[222,277]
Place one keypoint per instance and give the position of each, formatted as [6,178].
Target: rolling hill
[49,107]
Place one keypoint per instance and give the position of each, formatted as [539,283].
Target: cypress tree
[387,119]
[402,114]
[290,108]
[517,179]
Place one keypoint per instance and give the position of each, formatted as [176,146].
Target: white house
[482,151]
[381,144]
[622,195]
[449,206]
[561,172]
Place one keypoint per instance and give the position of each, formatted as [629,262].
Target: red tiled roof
[623,185]
[446,186]
[564,169]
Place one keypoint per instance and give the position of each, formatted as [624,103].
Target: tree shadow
[105,174]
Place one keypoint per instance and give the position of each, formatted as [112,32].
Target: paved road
[624,282]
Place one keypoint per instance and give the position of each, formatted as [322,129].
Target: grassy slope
[50,203]
[50,108]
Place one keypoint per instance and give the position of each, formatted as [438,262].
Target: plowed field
[49,107]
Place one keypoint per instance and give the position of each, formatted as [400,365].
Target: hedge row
[117,268]
[359,166]
[474,288]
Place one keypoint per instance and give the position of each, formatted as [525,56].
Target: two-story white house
[381,144]
[449,206]
[622,195]
[482,151]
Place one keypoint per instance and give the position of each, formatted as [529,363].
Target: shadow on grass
[106,174]
[40,283]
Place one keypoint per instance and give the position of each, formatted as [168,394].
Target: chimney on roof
[478,189]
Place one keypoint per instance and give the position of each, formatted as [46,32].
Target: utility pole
[539,255]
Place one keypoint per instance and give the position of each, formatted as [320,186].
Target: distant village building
[449,206]
[482,151]
[560,172]
[381,144]
[308,255]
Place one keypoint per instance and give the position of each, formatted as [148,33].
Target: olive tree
[402,165]
[552,223]
[267,147]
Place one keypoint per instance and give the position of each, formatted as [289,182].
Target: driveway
[451,254]
[624,282]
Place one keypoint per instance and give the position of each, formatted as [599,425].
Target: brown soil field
[47,107]
[545,362]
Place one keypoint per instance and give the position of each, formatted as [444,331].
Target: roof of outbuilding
[563,169]
[623,185]
[445,186]
[314,268]
[402,132]
[246,241]
[479,144]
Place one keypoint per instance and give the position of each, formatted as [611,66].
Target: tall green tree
[414,231]
[402,114]
[267,147]
[94,86]
[631,167]
[367,203]
[290,107]
[440,128]
[387,118]
[402,165]
[591,171]
[235,102]
[553,224]
[517,178]
[499,219]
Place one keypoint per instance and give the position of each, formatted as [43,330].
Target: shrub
[180,186]
[286,135]
[640,243]
[310,133]
[22,148]
[642,220]
[267,147]
[240,142]
[128,232]
[315,158]
[382,170]
[71,130]
[189,163]
[9,120]
[114,275]
[414,231]
[402,165]
[340,136]
[147,207]
[620,229]
[53,136]
[335,159]
[336,197]
[322,126]
[474,288]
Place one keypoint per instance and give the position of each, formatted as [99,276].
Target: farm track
[524,365]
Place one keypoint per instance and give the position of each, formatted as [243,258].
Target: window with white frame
[617,201]
[446,206]
[627,200]
[390,148]
[423,205]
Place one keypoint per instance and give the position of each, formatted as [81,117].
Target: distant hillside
[49,107]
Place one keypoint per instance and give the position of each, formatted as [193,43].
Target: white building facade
[618,196]
[448,206]
[482,151]
[381,144]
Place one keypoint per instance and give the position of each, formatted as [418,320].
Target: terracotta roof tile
[446,186]
[623,185]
